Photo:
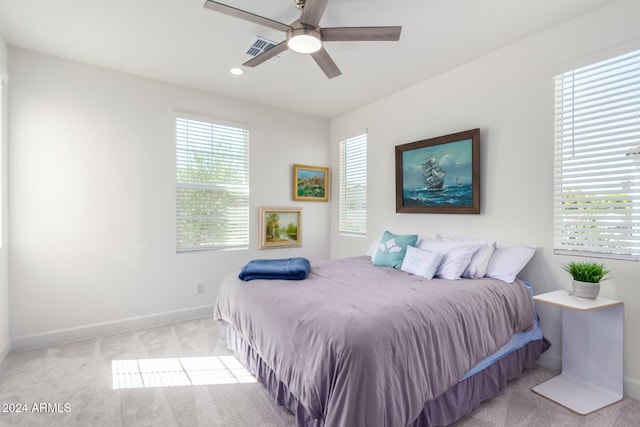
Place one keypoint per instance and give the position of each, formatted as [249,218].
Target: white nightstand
[592,353]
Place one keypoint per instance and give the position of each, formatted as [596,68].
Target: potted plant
[587,276]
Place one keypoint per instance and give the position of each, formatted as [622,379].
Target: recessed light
[236,71]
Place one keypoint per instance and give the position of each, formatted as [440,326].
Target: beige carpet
[73,385]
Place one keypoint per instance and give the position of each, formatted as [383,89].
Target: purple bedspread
[360,345]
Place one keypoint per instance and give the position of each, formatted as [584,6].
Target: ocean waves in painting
[454,195]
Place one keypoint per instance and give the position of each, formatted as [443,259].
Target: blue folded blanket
[287,269]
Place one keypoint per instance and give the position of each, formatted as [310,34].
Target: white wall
[92,197]
[509,95]
[4,274]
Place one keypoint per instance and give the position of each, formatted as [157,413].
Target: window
[212,186]
[353,185]
[597,159]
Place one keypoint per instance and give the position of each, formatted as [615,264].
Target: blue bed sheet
[518,340]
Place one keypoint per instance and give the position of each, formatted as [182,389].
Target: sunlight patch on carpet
[178,371]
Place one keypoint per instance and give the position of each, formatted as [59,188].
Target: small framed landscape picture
[280,227]
[310,183]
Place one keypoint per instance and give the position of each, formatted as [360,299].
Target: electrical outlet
[200,288]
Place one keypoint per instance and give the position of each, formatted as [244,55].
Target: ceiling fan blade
[312,12]
[345,34]
[247,16]
[267,55]
[325,62]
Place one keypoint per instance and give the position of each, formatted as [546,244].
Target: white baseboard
[59,336]
[550,361]
[631,388]
[5,349]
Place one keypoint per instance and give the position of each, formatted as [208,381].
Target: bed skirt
[452,405]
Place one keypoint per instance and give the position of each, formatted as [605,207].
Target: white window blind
[212,188]
[597,133]
[353,185]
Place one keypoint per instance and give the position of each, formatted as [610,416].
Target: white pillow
[508,260]
[457,256]
[421,263]
[480,260]
[373,247]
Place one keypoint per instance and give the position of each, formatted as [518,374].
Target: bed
[356,344]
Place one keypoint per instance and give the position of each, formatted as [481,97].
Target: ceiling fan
[304,35]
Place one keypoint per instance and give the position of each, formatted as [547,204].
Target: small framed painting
[439,175]
[280,227]
[310,183]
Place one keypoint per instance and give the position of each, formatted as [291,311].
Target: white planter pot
[586,290]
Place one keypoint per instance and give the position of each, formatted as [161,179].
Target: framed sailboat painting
[439,175]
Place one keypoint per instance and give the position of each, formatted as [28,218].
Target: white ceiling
[179,41]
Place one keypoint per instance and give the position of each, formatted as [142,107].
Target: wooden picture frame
[280,227]
[439,175]
[310,183]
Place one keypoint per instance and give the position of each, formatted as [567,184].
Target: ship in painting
[432,175]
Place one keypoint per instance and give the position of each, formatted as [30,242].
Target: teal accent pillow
[391,249]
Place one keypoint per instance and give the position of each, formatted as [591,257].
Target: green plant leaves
[586,271]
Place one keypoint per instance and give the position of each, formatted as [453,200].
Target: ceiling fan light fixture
[304,40]
[304,35]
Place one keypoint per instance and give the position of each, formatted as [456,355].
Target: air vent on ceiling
[259,45]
